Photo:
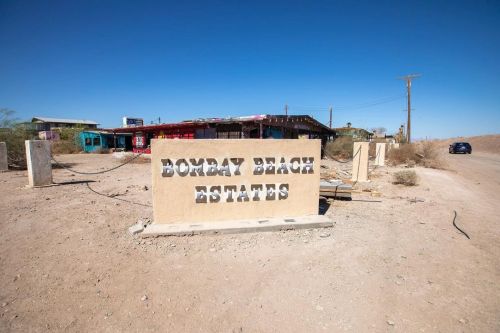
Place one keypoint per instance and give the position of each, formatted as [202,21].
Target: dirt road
[390,264]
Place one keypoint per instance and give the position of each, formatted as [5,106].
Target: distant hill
[484,143]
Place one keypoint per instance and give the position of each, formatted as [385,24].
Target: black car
[460,147]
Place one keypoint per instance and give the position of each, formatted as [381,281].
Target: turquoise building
[93,141]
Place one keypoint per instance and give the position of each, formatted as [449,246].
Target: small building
[258,126]
[49,135]
[355,133]
[93,141]
[48,124]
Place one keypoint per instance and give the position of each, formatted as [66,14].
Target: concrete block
[380,154]
[360,161]
[136,228]
[4,166]
[238,226]
[38,158]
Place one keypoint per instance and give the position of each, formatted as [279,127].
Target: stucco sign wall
[221,180]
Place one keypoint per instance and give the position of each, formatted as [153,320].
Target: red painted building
[260,126]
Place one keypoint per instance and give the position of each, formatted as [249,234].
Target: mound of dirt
[484,143]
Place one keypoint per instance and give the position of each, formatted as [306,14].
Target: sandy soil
[393,263]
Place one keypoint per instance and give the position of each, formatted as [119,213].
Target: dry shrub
[423,153]
[372,150]
[341,147]
[14,139]
[65,147]
[430,154]
[69,142]
[406,177]
[405,154]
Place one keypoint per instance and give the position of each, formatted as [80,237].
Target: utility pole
[408,79]
[331,110]
[286,110]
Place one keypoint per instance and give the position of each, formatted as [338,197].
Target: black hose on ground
[112,197]
[454,218]
[96,172]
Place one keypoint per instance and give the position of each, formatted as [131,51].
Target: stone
[136,228]
[324,235]
[144,298]
[38,158]
[4,165]
[390,322]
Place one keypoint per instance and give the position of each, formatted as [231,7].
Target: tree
[379,130]
[14,136]
[6,118]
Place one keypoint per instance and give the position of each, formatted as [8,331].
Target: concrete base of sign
[238,226]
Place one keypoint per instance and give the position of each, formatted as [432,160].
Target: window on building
[88,142]
[97,141]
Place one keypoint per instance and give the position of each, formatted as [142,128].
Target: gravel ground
[390,263]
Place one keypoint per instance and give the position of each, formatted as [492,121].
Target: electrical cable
[112,197]
[97,172]
[375,102]
[370,104]
[463,232]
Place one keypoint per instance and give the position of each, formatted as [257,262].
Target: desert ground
[391,263]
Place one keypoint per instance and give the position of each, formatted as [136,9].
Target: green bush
[14,138]
[69,142]
[341,147]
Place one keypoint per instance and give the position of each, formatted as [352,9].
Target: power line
[372,103]
[307,108]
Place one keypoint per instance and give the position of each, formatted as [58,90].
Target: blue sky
[103,60]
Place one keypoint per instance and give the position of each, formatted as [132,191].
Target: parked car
[460,147]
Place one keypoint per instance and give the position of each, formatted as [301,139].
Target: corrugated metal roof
[201,123]
[62,120]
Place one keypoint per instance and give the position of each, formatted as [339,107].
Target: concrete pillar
[360,161]
[380,154]
[38,157]
[4,165]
